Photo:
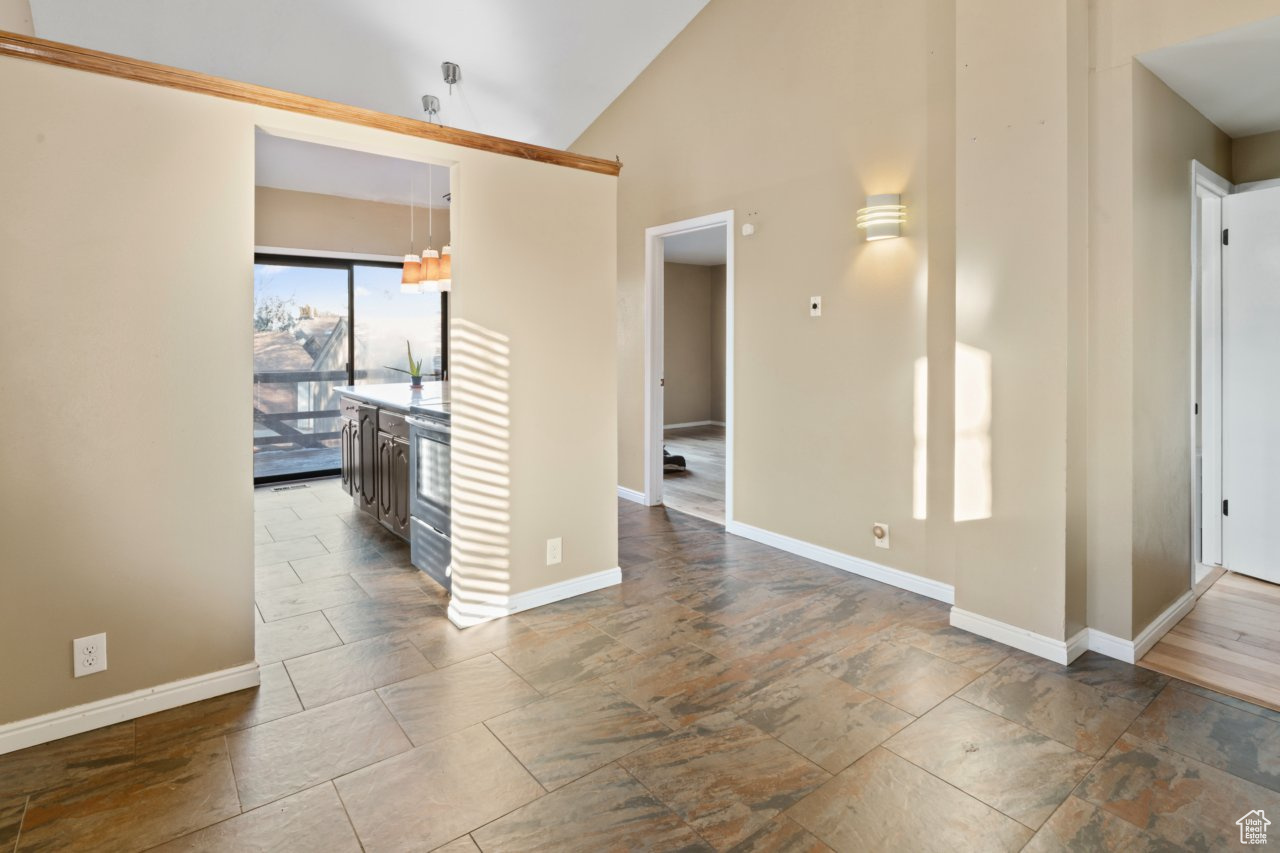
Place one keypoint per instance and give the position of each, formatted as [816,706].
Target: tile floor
[725,696]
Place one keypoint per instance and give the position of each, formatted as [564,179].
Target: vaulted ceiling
[534,70]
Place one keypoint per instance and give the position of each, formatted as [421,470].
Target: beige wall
[130,509]
[1256,158]
[1018,191]
[285,219]
[1168,134]
[858,124]
[1039,174]
[718,328]
[15,16]
[693,313]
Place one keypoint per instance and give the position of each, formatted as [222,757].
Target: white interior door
[1251,384]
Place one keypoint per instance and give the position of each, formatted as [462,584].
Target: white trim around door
[1208,189]
[653,337]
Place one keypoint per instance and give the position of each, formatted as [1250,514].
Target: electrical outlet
[815,306]
[89,654]
[553,551]
[880,531]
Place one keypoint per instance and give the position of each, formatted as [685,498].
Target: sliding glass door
[388,322]
[304,310]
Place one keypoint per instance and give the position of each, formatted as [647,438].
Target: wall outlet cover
[880,531]
[815,306]
[89,654]
[554,551]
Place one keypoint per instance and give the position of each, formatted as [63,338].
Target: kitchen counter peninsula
[375,445]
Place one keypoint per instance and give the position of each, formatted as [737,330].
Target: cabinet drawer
[392,423]
[431,552]
[350,408]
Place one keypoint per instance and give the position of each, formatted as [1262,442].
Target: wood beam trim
[96,62]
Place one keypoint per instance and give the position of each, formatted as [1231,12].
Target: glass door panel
[386,319]
[301,353]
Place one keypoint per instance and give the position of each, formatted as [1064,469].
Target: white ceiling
[705,248]
[537,72]
[1231,77]
[287,164]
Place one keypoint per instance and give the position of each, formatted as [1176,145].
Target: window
[304,311]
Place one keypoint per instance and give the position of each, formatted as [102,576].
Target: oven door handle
[431,430]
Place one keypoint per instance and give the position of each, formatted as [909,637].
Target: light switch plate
[815,306]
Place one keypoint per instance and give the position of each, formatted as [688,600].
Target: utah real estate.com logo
[1253,827]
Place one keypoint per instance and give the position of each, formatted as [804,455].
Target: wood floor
[1230,642]
[699,489]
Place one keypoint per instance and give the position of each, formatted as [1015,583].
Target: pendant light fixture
[446,270]
[430,266]
[411,277]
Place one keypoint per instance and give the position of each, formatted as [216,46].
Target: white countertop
[398,395]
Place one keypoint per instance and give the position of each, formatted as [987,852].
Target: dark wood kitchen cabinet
[393,483]
[375,462]
[366,490]
[348,442]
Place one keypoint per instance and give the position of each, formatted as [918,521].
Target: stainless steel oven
[430,526]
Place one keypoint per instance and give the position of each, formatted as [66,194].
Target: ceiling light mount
[452,74]
[431,105]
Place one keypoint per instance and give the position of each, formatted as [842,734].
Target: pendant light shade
[446,269]
[431,266]
[410,279]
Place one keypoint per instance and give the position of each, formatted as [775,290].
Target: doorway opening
[1229,642]
[1188,108]
[329,309]
[689,369]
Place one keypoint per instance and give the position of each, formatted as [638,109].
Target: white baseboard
[631,494]
[1131,651]
[129,706]
[693,424]
[855,565]
[529,599]
[1058,651]
[1078,644]
[1205,577]
[1111,646]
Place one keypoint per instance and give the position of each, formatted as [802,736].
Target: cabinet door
[355,446]
[367,475]
[346,446]
[399,487]
[385,442]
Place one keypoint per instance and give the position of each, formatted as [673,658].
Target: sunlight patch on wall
[481,462]
[973,433]
[920,462]
[972,436]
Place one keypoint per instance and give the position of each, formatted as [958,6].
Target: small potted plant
[414,371]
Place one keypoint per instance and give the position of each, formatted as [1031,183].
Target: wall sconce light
[883,216]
